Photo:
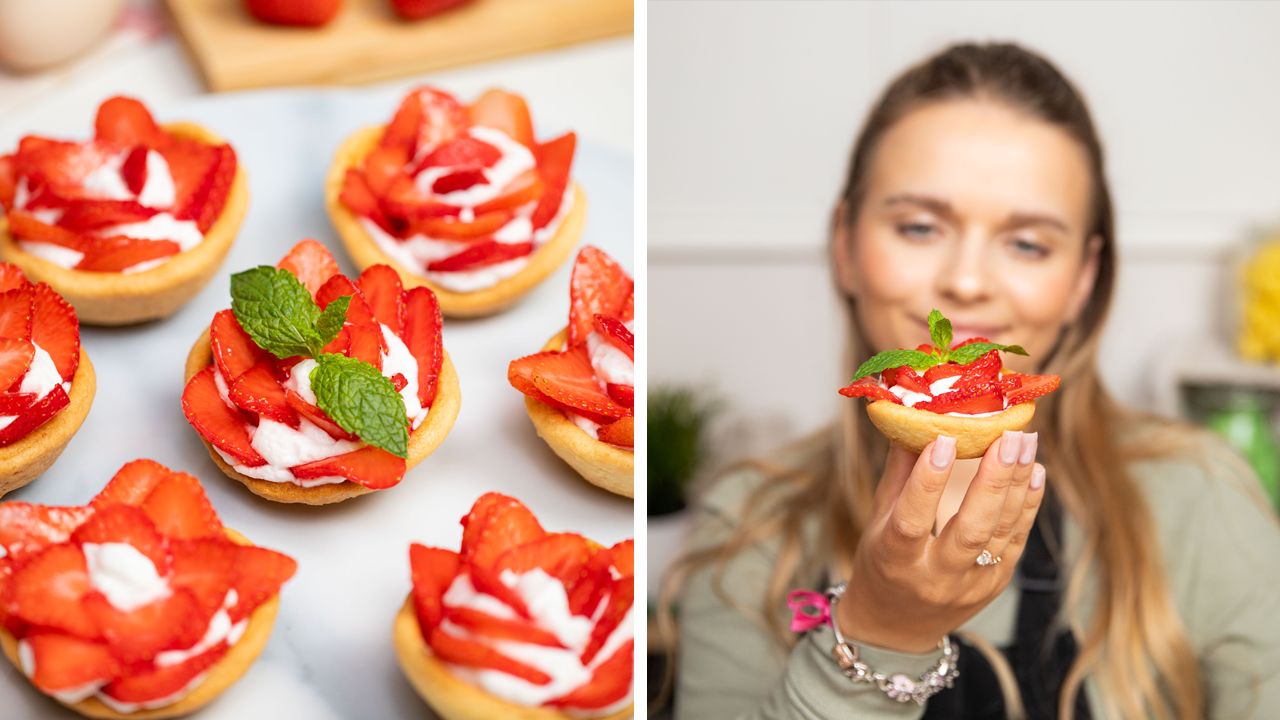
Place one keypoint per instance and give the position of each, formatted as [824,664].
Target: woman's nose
[965,276]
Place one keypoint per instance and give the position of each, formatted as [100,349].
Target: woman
[1139,574]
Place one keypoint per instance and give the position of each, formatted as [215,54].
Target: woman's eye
[1029,248]
[916,231]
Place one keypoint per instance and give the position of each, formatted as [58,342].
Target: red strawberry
[612,329]
[1010,382]
[25,226]
[49,589]
[554,160]
[422,326]
[15,358]
[469,653]
[260,392]
[623,556]
[460,180]
[1033,386]
[463,151]
[134,169]
[68,663]
[63,166]
[190,163]
[402,131]
[568,379]
[220,425]
[369,466]
[419,9]
[945,370]
[526,188]
[442,119]
[610,682]
[985,369]
[172,622]
[404,204]
[365,343]
[259,574]
[433,570]
[131,484]
[560,555]
[11,277]
[624,395]
[621,597]
[16,403]
[589,588]
[87,215]
[398,381]
[8,181]
[316,416]
[619,432]
[867,387]
[384,166]
[480,623]
[450,228]
[505,111]
[486,580]
[125,121]
[302,13]
[970,341]
[55,328]
[977,398]
[180,509]
[205,567]
[162,682]
[496,522]
[233,349]
[25,527]
[125,524]
[384,293]
[210,197]
[358,312]
[358,196]
[16,311]
[907,377]
[598,285]
[118,253]
[312,263]
[35,416]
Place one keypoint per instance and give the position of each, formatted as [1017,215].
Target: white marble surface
[330,654]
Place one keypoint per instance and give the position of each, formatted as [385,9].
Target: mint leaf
[331,321]
[882,361]
[361,401]
[968,353]
[276,310]
[940,330]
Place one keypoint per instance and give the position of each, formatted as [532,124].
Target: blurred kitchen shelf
[1204,363]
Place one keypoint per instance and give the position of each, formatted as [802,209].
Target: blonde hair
[1135,646]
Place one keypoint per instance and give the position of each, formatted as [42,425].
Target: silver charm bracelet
[898,686]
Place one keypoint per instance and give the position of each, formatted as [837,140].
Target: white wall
[752,111]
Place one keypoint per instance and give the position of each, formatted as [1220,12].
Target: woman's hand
[909,588]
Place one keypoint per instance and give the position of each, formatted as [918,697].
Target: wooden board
[368,42]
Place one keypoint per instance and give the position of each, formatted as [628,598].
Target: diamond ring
[986,558]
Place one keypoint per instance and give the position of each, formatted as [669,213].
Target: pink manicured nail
[1037,477]
[944,451]
[1010,444]
[1028,448]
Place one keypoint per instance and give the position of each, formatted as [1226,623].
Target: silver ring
[986,559]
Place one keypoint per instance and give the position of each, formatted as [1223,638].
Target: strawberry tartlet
[127,226]
[462,199]
[314,389]
[960,390]
[48,382]
[519,623]
[579,390]
[139,604]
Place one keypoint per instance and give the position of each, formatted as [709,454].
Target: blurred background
[752,112]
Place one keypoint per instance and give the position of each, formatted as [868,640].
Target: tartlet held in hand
[940,389]
[519,623]
[314,389]
[47,379]
[139,604]
[127,226]
[461,199]
[579,391]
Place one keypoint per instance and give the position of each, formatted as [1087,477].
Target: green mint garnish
[968,353]
[895,358]
[277,311]
[361,401]
[940,332]
[332,319]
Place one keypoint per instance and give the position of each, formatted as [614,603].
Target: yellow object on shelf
[1259,339]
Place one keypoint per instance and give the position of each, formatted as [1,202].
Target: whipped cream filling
[548,605]
[611,366]
[911,398]
[284,447]
[40,380]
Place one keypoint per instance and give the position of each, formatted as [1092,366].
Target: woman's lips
[961,332]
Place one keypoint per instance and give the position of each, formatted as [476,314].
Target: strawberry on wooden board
[300,13]
[419,9]
[369,466]
[598,286]
[66,663]
[221,426]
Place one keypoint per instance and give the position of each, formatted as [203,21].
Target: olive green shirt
[1219,542]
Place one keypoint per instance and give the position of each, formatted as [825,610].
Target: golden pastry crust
[601,464]
[914,429]
[25,460]
[365,252]
[219,677]
[452,697]
[422,442]
[118,299]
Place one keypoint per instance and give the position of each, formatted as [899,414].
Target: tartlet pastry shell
[914,429]
[221,676]
[365,251]
[26,459]
[114,298]
[422,441]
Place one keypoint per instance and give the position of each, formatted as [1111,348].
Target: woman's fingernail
[1037,477]
[1010,444]
[1028,448]
[944,451]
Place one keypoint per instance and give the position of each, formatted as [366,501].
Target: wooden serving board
[367,41]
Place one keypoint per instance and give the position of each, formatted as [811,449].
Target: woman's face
[979,211]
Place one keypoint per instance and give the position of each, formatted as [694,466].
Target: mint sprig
[277,311]
[968,353]
[941,334]
[361,401]
[882,361]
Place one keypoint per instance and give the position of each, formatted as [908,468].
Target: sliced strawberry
[210,197]
[316,416]
[612,329]
[623,556]
[985,369]
[205,567]
[180,509]
[589,588]
[25,226]
[8,181]
[220,425]
[384,294]
[82,216]
[15,358]
[365,343]
[259,391]
[452,649]
[25,527]
[358,312]
[384,166]
[621,597]
[359,198]
[433,571]
[125,121]
[16,403]
[369,466]
[977,398]
[136,635]
[134,169]
[405,203]
[49,589]
[131,484]
[505,111]
[17,306]
[233,349]
[448,228]
[259,574]
[62,166]
[560,555]
[526,188]
[422,326]
[163,681]
[459,180]
[34,416]
[1033,386]
[867,387]
[69,663]
[620,432]
[496,522]
[310,262]
[442,119]
[610,682]
[945,370]
[481,623]
[11,277]
[1010,382]
[520,373]
[119,253]
[399,381]
[463,151]
[126,524]
[402,131]
[598,286]
[624,395]
[55,328]
[190,164]
[554,160]
[907,377]
[481,254]
[569,379]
